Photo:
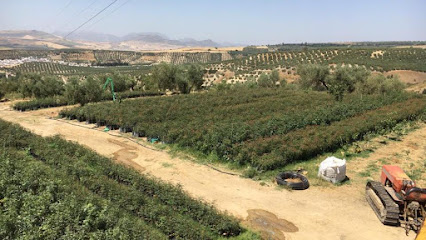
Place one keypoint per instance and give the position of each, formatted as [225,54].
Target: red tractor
[396,200]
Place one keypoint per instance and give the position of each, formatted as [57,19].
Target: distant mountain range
[140,37]
[34,39]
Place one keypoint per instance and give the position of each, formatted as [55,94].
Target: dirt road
[317,213]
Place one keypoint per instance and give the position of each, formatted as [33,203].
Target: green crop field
[375,59]
[265,128]
[49,68]
[54,189]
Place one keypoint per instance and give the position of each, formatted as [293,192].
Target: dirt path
[317,213]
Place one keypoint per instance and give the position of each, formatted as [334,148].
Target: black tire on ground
[282,180]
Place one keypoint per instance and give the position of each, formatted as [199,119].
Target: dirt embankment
[408,76]
[416,81]
[317,213]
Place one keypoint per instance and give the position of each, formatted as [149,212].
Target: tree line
[183,79]
[344,80]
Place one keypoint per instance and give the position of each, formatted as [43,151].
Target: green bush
[379,84]
[72,96]
[40,103]
[37,200]
[58,189]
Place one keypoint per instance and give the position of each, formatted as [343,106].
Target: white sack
[333,169]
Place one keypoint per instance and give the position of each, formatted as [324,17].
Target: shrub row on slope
[39,202]
[215,122]
[277,151]
[163,208]
[62,101]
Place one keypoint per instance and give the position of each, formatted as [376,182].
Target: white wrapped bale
[332,169]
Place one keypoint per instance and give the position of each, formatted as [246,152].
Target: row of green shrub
[389,59]
[157,209]
[57,101]
[39,103]
[277,151]
[38,202]
[214,122]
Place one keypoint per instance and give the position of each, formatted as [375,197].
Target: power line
[63,9]
[105,8]
[59,13]
[79,13]
[110,13]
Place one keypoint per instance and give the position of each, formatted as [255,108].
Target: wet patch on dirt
[121,144]
[126,154]
[269,225]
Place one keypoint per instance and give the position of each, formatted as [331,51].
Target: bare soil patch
[415,46]
[269,225]
[201,49]
[126,154]
[408,76]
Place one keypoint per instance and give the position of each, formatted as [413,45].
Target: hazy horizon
[244,22]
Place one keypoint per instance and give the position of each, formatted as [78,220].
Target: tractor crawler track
[390,214]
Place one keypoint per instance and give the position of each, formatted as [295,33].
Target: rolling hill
[33,39]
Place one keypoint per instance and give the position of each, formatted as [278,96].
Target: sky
[236,21]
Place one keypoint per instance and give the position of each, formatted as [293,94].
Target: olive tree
[92,90]
[166,76]
[339,83]
[270,80]
[73,90]
[49,86]
[379,84]
[345,79]
[313,76]
[83,92]
[2,93]
[265,81]
[34,85]
[275,76]
[121,82]
[172,77]
[183,84]
[28,82]
[195,75]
